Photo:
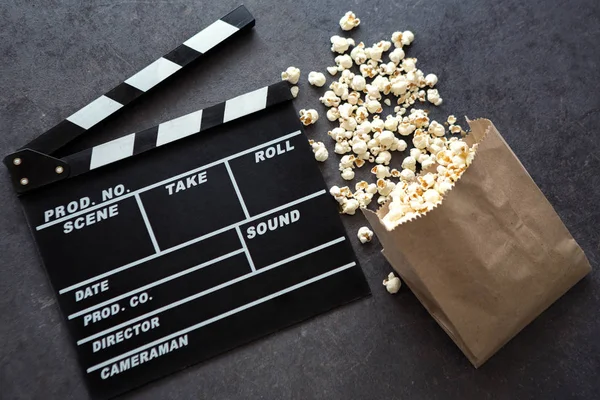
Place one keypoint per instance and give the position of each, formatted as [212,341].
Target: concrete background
[530,66]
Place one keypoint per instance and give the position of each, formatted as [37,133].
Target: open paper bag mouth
[474,137]
[491,256]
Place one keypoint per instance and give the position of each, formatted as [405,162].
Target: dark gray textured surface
[532,67]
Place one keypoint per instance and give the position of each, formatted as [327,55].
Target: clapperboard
[176,243]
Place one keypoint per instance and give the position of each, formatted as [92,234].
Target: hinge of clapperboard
[33,166]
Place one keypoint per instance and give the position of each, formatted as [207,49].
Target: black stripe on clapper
[145,140]
[183,55]
[240,18]
[212,116]
[124,93]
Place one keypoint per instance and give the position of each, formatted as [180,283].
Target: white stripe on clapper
[112,151]
[95,112]
[211,36]
[246,104]
[153,74]
[178,128]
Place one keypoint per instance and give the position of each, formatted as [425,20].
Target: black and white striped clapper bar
[171,245]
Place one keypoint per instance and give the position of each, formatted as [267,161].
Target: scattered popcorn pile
[355,101]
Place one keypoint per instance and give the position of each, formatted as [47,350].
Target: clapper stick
[33,166]
[179,128]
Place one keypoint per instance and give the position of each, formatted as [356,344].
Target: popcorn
[363,198]
[340,44]
[316,79]
[373,92]
[451,120]
[433,96]
[332,70]
[353,98]
[291,74]
[432,196]
[346,110]
[391,123]
[374,53]
[407,38]
[359,83]
[431,80]
[455,129]
[333,114]
[365,235]
[421,141]
[406,128]
[459,148]
[385,186]
[348,174]
[350,206]
[346,162]
[338,88]
[368,70]
[409,163]
[409,64]
[384,157]
[343,62]
[308,117]
[415,153]
[342,147]
[397,39]
[429,162]
[349,124]
[358,54]
[398,145]
[381,171]
[359,147]
[387,102]
[407,175]
[329,99]
[372,188]
[361,116]
[386,138]
[374,106]
[321,153]
[436,129]
[335,191]
[397,55]
[294,90]
[349,21]
[444,157]
[377,124]
[392,283]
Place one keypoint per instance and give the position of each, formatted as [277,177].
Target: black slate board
[183,252]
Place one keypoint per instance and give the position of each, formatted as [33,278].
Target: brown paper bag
[491,257]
